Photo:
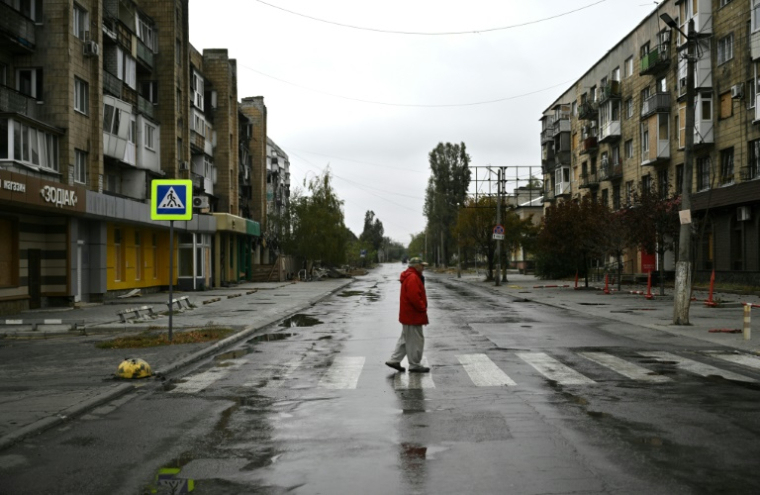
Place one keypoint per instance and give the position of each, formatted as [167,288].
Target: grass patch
[154,339]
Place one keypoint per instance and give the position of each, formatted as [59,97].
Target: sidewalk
[636,309]
[53,373]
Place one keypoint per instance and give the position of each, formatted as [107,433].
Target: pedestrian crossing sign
[171,200]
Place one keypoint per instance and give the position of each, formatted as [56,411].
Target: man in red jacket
[412,315]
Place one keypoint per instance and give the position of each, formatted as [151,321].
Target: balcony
[547,152]
[658,154]
[611,91]
[549,196]
[609,131]
[17,31]
[657,103]
[562,189]
[144,54]
[197,141]
[111,84]
[587,110]
[561,125]
[14,102]
[547,135]
[145,107]
[610,171]
[589,180]
[655,61]
[588,145]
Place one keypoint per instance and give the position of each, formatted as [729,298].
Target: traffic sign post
[171,199]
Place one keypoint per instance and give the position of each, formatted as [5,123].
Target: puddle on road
[300,320]
[653,441]
[269,337]
[350,293]
[237,353]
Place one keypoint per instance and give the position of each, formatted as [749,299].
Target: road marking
[198,382]
[553,369]
[743,359]
[483,372]
[623,367]
[344,373]
[415,381]
[276,375]
[696,367]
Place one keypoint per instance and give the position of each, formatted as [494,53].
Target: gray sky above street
[346,86]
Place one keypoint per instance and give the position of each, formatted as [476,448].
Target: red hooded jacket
[413,307]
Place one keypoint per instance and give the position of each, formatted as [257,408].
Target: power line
[416,105]
[357,161]
[421,33]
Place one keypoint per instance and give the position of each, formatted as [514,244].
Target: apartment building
[621,128]
[97,99]
[278,189]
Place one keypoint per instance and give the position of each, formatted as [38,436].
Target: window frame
[81,22]
[149,137]
[725,49]
[81,96]
[80,166]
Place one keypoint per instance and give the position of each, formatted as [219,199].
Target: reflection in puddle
[300,320]
[237,353]
[268,337]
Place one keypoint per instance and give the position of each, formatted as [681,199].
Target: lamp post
[682,295]
[459,241]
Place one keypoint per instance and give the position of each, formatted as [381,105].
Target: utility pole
[459,242]
[682,295]
[498,222]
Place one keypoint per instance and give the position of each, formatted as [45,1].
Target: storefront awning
[253,228]
[230,223]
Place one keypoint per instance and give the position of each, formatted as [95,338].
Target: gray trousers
[410,344]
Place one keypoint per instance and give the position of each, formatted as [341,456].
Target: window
[751,96]
[81,23]
[27,145]
[629,108]
[198,90]
[81,96]
[606,197]
[80,166]
[178,53]
[616,197]
[149,91]
[111,119]
[629,148]
[706,106]
[29,82]
[645,139]
[146,33]
[663,187]
[646,184]
[149,137]
[628,192]
[727,166]
[629,67]
[616,156]
[662,85]
[681,128]
[725,49]
[755,15]
[616,74]
[703,173]
[753,168]
[126,68]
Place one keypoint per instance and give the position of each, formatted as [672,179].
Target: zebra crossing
[345,371]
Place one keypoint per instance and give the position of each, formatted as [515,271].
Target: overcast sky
[345,87]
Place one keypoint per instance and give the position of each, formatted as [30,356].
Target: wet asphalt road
[517,402]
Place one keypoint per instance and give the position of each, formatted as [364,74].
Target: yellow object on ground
[134,368]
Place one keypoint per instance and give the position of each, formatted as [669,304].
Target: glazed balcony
[609,131]
[144,54]
[610,91]
[547,135]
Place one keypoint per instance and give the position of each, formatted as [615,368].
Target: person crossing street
[412,316]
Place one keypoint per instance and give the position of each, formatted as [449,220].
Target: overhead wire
[423,33]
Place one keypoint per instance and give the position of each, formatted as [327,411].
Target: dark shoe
[395,366]
[421,369]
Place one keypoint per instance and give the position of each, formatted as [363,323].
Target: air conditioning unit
[743,214]
[91,49]
[737,91]
[184,166]
[200,202]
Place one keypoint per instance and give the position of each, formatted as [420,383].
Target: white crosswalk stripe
[743,359]
[198,382]
[276,375]
[343,374]
[553,369]
[483,372]
[407,381]
[623,367]
[696,367]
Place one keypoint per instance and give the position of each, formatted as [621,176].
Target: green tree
[416,246]
[316,224]
[372,233]
[447,188]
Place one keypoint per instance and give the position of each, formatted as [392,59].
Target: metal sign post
[171,200]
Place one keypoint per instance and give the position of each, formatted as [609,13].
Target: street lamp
[682,295]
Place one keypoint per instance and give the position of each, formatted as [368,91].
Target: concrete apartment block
[254,108]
